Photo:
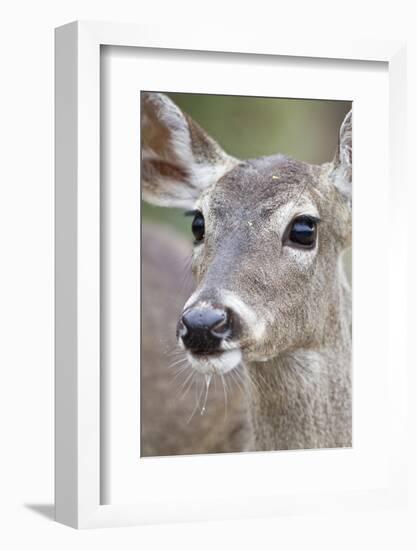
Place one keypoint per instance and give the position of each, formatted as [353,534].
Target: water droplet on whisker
[207,378]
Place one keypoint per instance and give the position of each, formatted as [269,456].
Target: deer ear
[342,164]
[179,160]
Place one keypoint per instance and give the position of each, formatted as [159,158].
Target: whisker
[225,397]
[175,363]
[207,379]
[231,375]
[175,351]
[236,376]
[190,375]
[197,402]
[249,382]
[179,372]
[182,384]
[188,386]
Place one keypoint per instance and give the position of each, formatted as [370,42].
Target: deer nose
[202,330]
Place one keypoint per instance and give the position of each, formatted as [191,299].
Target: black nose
[203,329]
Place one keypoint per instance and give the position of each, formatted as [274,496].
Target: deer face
[268,236]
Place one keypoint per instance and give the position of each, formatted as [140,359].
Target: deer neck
[302,398]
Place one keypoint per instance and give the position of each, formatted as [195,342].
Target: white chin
[219,364]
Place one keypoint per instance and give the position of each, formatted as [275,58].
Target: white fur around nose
[220,364]
[237,305]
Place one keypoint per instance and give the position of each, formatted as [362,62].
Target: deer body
[271,294]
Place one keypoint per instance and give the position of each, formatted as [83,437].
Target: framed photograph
[230,340]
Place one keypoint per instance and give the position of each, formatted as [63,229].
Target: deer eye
[302,232]
[197,227]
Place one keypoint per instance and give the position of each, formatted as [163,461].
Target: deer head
[268,235]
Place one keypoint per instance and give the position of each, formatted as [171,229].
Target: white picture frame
[78,293]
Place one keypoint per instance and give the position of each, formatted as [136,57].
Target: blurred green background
[248,127]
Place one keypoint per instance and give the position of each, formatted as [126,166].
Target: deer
[271,297]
